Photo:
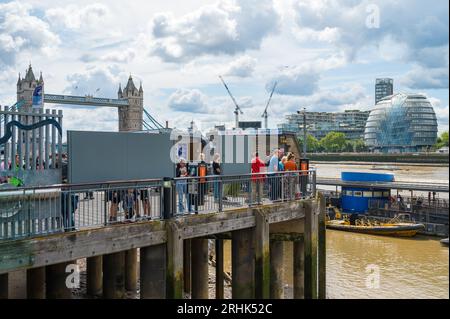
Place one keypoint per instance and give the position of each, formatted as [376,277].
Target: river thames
[368,266]
[408,267]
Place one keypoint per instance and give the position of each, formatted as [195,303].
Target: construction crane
[265,115]
[237,110]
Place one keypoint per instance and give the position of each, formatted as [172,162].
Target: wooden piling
[174,273]
[56,279]
[243,264]
[94,270]
[153,264]
[199,256]
[4,286]
[114,275]
[262,254]
[322,248]
[219,269]
[276,270]
[310,246]
[299,269]
[187,265]
[36,283]
[131,270]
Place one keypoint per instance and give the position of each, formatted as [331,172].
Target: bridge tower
[26,86]
[131,116]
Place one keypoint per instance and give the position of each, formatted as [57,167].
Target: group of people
[277,162]
[131,200]
[195,198]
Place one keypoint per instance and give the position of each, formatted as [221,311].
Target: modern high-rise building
[401,123]
[383,88]
[319,124]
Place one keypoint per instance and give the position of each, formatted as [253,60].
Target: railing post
[220,185]
[314,189]
[250,191]
[105,206]
[168,204]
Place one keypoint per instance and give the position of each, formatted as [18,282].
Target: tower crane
[237,110]
[265,115]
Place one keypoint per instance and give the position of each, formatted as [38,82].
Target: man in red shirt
[257,179]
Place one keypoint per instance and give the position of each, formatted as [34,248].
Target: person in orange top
[258,180]
[290,166]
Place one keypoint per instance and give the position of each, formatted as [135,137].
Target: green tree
[442,140]
[360,146]
[312,144]
[334,142]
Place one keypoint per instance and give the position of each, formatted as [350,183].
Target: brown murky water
[408,267]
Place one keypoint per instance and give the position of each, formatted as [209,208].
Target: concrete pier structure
[36,283]
[114,275]
[257,237]
[199,255]
[56,279]
[4,286]
[153,272]
[276,269]
[94,269]
[131,270]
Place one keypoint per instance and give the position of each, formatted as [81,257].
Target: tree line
[333,142]
[336,142]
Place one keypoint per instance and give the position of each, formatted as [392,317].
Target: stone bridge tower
[131,116]
[25,88]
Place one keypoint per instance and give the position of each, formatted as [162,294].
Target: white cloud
[422,40]
[23,33]
[186,100]
[227,27]
[74,17]
[119,56]
[304,78]
[242,67]
[423,78]
[99,81]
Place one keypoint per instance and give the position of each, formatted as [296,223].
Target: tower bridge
[129,102]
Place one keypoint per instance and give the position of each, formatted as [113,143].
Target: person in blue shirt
[273,178]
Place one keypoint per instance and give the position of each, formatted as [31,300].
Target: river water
[368,266]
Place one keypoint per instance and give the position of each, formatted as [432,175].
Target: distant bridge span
[84,100]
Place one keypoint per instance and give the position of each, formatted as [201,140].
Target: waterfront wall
[434,158]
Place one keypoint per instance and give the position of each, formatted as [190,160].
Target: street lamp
[304,130]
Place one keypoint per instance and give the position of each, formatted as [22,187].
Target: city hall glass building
[401,123]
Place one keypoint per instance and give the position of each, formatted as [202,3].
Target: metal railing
[218,193]
[38,211]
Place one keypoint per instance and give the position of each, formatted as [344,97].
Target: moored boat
[385,229]
[444,241]
[400,226]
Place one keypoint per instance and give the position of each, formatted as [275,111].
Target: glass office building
[401,123]
[318,124]
[383,88]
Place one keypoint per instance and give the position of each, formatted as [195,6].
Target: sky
[324,54]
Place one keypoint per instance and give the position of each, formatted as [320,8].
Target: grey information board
[110,156]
